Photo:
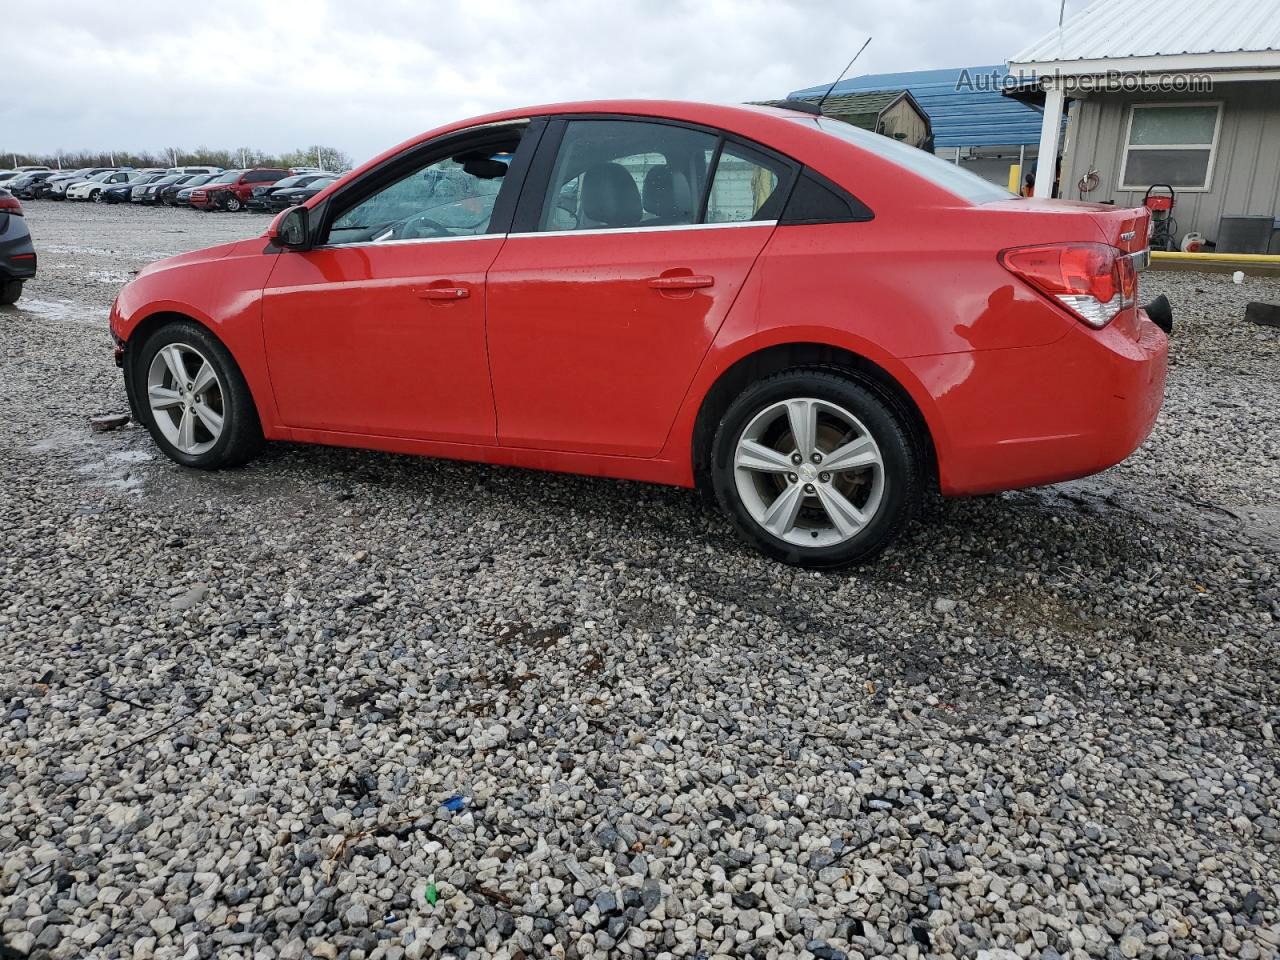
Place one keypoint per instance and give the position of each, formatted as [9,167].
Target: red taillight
[10,205]
[1092,280]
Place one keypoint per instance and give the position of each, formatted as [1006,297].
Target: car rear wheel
[10,291]
[194,399]
[816,469]
[233,204]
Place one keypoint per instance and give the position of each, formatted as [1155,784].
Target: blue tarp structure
[965,106]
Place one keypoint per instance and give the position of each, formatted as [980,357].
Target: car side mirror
[290,229]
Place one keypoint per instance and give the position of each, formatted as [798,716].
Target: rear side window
[747,185]
[947,176]
[626,173]
[816,200]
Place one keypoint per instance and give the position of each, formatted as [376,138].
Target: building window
[1170,143]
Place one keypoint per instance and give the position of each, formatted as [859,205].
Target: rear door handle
[443,293]
[684,281]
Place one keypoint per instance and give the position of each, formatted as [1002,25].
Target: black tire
[233,204]
[10,291]
[903,465]
[95,196]
[241,436]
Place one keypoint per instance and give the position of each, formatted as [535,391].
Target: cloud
[365,75]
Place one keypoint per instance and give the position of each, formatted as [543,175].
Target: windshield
[229,177]
[198,179]
[99,177]
[948,176]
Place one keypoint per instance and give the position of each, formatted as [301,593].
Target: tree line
[317,155]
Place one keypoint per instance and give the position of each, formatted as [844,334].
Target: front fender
[219,288]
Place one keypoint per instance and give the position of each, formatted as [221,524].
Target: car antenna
[841,77]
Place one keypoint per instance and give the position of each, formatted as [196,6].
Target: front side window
[626,173]
[452,196]
[1170,144]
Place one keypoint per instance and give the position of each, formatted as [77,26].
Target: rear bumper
[17,254]
[1036,415]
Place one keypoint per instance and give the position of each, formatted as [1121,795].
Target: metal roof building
[1170,95]
[965,106]
[1164,35]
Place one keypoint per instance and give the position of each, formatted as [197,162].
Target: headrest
[610,195]
[667,195]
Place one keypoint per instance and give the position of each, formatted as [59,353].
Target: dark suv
[17,255]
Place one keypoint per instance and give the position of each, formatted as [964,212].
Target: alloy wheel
[186,398]
[809,472]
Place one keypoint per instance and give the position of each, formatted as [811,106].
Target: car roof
[801,135]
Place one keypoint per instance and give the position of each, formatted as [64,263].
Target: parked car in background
[195,169]
[258,195]
[173,194]
[44,189]
[288,196]
[91,189]
[291,196]
[58,186]
[24,187]
[231,190]
[17,254]
[149,193]
[123,192]
[31,167]
[6,176]
[813,322]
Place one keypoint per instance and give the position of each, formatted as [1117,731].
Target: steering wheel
[421,227]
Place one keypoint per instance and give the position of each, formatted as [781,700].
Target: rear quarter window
[942,174]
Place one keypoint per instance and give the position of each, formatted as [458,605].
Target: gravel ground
[345,704]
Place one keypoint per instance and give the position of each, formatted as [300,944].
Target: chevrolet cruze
[815,323]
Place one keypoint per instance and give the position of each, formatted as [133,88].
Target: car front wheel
[194,399]
[233,204]
[96,196]
[816,469]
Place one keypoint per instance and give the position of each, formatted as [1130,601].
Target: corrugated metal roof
[962,114]
[1157,28]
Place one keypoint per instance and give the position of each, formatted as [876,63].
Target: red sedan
[815,322]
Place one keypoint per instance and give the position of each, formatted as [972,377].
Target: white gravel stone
[236,704]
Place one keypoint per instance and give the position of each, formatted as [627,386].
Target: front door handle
[444,293]
[682,281]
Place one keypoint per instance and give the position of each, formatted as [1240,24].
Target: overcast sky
[363,75]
